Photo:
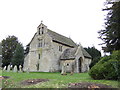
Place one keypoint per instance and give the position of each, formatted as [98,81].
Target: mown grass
[0,72]
[0,80]
[56,80]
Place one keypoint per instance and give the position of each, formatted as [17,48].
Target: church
[49,51]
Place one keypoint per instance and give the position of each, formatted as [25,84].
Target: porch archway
[80,64]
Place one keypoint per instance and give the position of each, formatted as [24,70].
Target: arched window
[38,56]
[60,48]
[40,43]
[42,30]
[39,31]
[80,64]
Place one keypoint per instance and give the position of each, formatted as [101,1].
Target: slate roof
[61,39]
[85,53]
[69,54]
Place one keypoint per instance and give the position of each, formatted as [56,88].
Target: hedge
[107,68]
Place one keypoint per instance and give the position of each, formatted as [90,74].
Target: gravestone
[11,67]
[64,69]
[20,68]
[72,68]
[27,70]
[15,69]
[4,68]
[8,68]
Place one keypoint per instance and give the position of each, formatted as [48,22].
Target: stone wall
[56,61]
[68,64]
[86,64]
[26,60]
[79,55]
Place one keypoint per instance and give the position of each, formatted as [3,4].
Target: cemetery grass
[56,80]
[0,72]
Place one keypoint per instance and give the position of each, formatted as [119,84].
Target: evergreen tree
[18,57]
[0,48]
[0,54]
[8,48]
[95,54]
[111,34]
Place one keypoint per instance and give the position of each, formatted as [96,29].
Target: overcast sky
[78,19]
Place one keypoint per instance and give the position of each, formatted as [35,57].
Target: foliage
[18,57]
[95,54]
[56,79]
[27,49]
[107,67]
[0,48]
[8,48]
[111,34]
[12,51]
[0,55]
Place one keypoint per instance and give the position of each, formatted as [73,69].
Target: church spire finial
[41,21]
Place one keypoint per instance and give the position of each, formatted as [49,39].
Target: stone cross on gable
[41,21]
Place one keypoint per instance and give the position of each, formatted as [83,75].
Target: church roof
[61,39]
[69,54]
[85,53]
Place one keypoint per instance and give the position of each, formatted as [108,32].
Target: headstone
[27,70]
[11,66]
[72,68]
[8,68]
[15,69]
[64,69]
[4,68]
[20,68]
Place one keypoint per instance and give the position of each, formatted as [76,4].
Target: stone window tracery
[39,31]
[38,56]
[42,31]
[40,43]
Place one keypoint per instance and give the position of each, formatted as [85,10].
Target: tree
[18,57]
[95,54]
[111,34]
[0,48]
[107,68]
[8,48]
[0,54]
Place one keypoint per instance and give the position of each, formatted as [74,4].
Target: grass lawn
[56,80]
[0,72]
[0,80]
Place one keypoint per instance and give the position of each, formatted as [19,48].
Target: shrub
[107,68]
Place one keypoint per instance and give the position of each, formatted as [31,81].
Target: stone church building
[49,51]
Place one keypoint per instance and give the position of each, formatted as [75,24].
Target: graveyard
[19,79]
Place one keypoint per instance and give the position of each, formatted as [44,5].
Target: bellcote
[41,29]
